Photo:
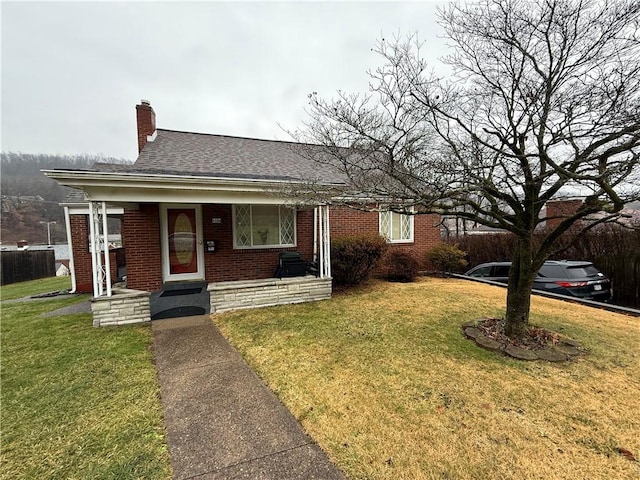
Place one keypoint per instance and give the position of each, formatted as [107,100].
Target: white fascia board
[181,196]
[137,180]
[136,187]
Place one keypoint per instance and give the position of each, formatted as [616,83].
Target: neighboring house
[61,270]
[204,220]
[556,210]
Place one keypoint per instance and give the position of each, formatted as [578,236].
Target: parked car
[570,278]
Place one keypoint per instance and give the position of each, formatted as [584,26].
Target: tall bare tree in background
[542,101]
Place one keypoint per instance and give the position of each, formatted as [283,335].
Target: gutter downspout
[72,267]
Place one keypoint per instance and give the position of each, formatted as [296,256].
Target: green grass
[382,378]
[42,285]
[77,402]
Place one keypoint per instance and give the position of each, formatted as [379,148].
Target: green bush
[354,257]
[447,258]
[400,266]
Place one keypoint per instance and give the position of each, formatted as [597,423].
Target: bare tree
[542,102]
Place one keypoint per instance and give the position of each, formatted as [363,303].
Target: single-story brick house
[204,221]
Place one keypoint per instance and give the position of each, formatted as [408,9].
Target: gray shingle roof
[185,153]
[74,196]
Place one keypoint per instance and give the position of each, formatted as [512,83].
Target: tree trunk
[521,278]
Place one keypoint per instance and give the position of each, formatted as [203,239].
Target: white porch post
[105,243]
[322,236]
[94,246]
[327,242]
[98,223]
[315,235]
[320,244]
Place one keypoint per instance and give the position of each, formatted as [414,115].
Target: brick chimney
[146,119]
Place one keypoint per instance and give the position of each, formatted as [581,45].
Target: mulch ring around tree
[537,343]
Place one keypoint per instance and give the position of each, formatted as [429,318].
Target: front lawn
[77,402]
[384,381]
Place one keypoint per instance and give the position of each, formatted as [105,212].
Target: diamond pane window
[259,226]
[396,227]
[385,225]
[405,227]
[287,226]
[243,226]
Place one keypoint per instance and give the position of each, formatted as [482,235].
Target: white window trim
[258,247]
[386,234]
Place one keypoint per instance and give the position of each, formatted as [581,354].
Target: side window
[581,272]
[481,272]
[396,227]
[501,271]
[551,271]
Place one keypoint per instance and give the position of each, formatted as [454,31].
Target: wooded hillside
[28,197]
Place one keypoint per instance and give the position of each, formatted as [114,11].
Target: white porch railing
[100,261]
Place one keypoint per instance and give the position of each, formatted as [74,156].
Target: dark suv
[570,278]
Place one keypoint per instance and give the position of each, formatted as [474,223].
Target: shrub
[354,257]
[496,247]
[400,266]
[447,258]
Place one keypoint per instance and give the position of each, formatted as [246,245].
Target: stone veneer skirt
[132,306]
[123,307]
[236,295]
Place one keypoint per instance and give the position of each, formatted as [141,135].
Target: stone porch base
[127,306]
[123,307]
[236,295]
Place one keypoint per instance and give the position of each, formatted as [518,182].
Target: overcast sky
[72,73]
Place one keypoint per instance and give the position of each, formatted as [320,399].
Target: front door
[182,250]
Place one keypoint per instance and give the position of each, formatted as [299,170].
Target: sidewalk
[222,422]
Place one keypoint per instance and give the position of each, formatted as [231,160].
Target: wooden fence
[624,272]
[26,265]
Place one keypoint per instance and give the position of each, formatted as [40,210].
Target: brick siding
[228,264]
[82,255]
[347,221]
[426,229]
[141,239]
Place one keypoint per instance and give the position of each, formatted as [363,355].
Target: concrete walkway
[222,422]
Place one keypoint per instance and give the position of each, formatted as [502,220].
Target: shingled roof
[74,196]
[186,153]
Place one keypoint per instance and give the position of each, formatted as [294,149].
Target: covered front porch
[215,237]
